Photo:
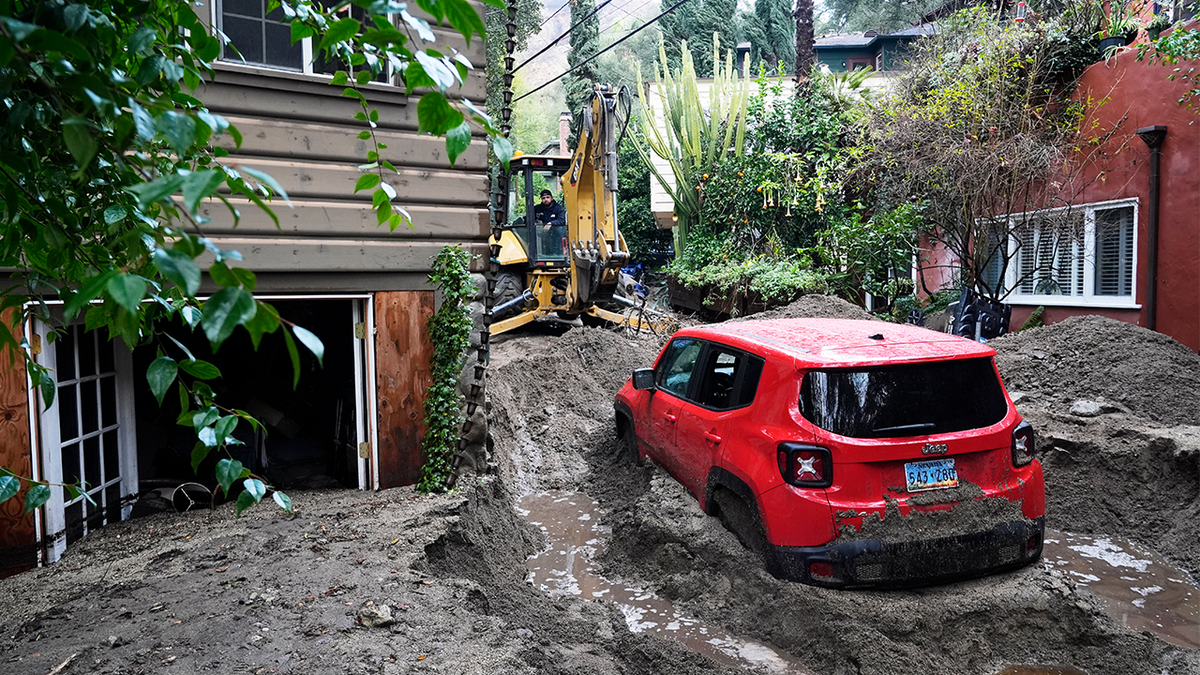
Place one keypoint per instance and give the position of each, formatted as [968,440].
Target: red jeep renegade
[847,453]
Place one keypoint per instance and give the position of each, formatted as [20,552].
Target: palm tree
[805,55]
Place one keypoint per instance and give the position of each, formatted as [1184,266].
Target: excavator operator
[553,220]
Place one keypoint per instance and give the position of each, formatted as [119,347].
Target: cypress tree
[585,42]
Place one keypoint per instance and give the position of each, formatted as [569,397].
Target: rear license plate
[932,475]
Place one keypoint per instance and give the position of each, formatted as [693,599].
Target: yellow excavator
[566,268]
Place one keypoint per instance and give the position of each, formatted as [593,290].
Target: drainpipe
[1153,137]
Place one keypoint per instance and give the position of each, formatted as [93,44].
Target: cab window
[730,378]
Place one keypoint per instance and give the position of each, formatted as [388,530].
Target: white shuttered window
[1088,258]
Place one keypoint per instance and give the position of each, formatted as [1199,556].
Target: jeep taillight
[1022,444]
[807,466]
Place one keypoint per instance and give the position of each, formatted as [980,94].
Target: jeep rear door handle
[669,417]
[712,437]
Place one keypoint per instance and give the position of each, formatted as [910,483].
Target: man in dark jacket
[553,219]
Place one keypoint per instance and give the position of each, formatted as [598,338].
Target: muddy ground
[204,591]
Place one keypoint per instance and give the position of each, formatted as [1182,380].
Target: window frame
[696,385]
[307,59]
[1088,298]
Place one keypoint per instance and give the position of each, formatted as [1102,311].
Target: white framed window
[1084,255]
[255,37]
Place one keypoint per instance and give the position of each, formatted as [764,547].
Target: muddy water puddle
[1136,587]
[571,521]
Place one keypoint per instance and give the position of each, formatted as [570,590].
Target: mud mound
[1087,357]
[815,306]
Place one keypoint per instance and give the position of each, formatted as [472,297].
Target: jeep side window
[730,379]
[675,372]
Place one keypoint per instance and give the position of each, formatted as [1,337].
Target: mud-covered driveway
[203,592]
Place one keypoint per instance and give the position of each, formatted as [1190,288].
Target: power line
[672,8]
[560,37]
[555,13]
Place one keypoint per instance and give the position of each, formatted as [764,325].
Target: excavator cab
[543,245]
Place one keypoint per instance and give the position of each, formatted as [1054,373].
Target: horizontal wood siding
[302,131]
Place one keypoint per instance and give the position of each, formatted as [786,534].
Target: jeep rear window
[915,399]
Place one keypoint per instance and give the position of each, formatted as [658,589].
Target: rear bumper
[873,563]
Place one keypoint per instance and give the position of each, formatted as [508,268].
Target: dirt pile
[1115,408]
[1089,357]
[814,306]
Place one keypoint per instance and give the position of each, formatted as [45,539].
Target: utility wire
[560,37]
[670,9]
[555,13]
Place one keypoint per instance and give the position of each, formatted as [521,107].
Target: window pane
[904,401]
[719,377]
[64,355]
[279,48]
[70,463]
[95,512]
[1114,251]
[87,353]
[676,370]
[108,401]
[750,381]
[246,8]
[246,36]
[74,514]
[107,361]
[112,503]
[91,462]
[88,411]
[112,456]
[68,413]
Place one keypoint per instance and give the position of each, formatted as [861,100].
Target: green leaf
[205,417]
[114,215]
[256,488]
[79,140]
[284,501]
[224,311]
[38,494]
[18,30]
[185,350]
[179,268]
[160,375]
[457,140]
[157,189]
[199,185]
[191,315]
[362,77]
[221,275]
[142,41]
[269,181]
[245,277]
[178,129]
[127,290]
[364,135]
[503,149]
[295,355]
[313,343]
[264,322]
[300,31]
[435,115]
[463,17]
[244,501]
[340,32]
[366,182]
[228,470]
[88,292]
[9,487]
[201,370]
[225,427]
[199,454]
[340,79]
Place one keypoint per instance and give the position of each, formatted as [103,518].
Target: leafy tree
[106,158]
[772,35]
[696,22]
[633,207]
[984,130]
[527,22]
[585,43]
[620,65]
[806,55]
[1180,51]
[885,16]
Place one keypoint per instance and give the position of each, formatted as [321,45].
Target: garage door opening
[311,432]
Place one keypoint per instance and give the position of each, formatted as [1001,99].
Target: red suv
[847,453]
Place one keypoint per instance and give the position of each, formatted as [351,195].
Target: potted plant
[1119,28]
[1158,24]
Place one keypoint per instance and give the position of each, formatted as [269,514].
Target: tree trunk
[805,54]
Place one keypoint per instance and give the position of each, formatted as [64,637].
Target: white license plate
[932,475]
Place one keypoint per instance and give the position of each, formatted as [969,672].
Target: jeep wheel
[743,521]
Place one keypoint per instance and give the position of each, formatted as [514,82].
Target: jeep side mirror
[643,379]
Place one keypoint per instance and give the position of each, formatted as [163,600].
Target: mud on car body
[846,453]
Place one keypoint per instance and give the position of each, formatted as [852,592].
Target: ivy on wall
[449,332]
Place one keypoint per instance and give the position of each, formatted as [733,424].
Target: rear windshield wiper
[920,426]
